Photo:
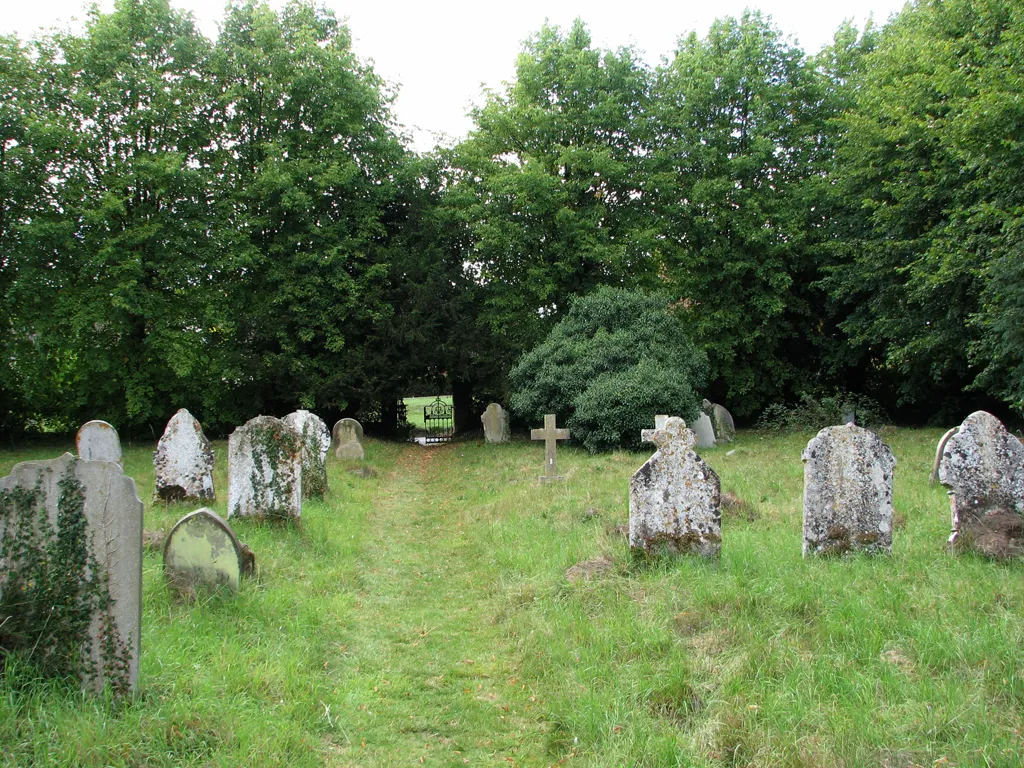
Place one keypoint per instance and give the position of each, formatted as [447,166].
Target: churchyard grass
[423,616]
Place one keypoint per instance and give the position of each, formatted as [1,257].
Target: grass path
[431,669]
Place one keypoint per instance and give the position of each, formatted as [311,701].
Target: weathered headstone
[704,431]
[660,420]
[202,553]
[934,476]
[316,442]
[347,439]
[183,461]
[675,498]
[98,441]
[265,470]
[983,470]
[495,422]
[97,565]
[550,434]
[721,421]
[847,492]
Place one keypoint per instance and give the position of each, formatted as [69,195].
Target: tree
[608,366]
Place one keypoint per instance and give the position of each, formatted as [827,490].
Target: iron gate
[439,421]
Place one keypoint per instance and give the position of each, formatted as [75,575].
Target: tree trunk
[462,403]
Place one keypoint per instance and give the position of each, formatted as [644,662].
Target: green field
[423,617]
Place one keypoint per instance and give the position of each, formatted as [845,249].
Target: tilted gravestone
[183,461]
[98,441]
[675,498]
[848,474]
[202,554]
[982,468]
[73,528]
[347,439]
[550,434]
[316,441]
[495,421]
[265,470]
[704,431]
[721,421]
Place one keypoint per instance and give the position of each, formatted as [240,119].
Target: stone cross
[549,435]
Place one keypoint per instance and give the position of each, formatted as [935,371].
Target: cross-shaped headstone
[667,432]
[549,435]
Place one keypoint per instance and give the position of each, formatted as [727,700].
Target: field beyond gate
[423,616]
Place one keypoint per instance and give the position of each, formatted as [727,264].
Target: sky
[441,55]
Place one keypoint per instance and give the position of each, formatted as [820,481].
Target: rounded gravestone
[98,441]
[495,421]
[347,439]
[316,442]
[183,461]
[202,553]
[265,470]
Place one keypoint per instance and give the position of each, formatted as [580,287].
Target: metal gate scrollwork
[439,421]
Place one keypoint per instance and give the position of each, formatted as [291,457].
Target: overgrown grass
[423,617]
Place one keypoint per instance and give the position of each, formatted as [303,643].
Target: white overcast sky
[441,54]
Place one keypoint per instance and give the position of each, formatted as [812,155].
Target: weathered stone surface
[265,470]
[347,439]
[495,421]
[982,468]
[847,492]
[550,435]
[113,518]
[316,442]
[674,498]
[183,461]
[934,476]
[202,554]
[704,431]
[721,421]
[98,441]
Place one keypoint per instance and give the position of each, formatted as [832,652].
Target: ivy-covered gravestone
[183,461]
[265,470]
[316,441]
[71,570]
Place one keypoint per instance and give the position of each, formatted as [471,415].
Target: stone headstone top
[675,497]
[265,470]
[659,421]
[316,442]
[347,439]
[934,476]
[98,441]
[202,553]
[550,434]
[495,421]
[183,461]
[982,468]
[721,421]
[848,474]
[704,431]
[59,490]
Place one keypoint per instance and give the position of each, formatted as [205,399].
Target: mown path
[434,676]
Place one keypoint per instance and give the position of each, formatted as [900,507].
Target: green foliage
[814,413]
[615,360]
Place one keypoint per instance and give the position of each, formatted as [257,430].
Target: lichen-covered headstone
[721,421]
[675,498]
[847,492]
[316,442]
[83,522]
[495,422]
[98,441]
[265,470]
[183,461]
[704,431]
[982,468]
[347,439]
[202,553]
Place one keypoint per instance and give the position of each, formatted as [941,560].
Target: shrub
[814,413]
[615,360]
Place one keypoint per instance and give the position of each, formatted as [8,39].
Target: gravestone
[183,461]
[660,420]
[675,497]
[265,470]
[202,554]
[347,439]
[983,470]
[550,434]
[103,557]
[704,431]
[721,421]
[316,442]
[98,441]
[495,422]
[847,492]
[934,476]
